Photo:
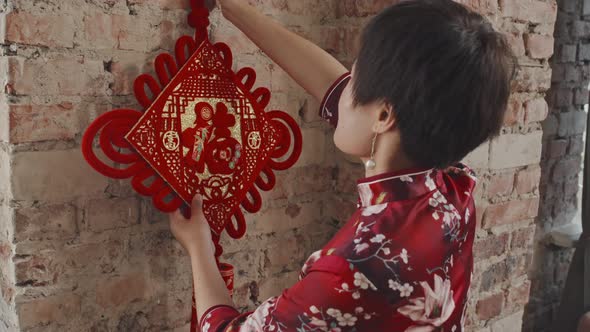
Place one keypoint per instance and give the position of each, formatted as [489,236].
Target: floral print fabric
[402,262]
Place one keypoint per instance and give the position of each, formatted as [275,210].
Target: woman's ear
[385,118]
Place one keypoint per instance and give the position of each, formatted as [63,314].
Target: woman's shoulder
[461,169]
[461,177]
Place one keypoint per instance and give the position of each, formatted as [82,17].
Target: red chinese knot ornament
[205,130]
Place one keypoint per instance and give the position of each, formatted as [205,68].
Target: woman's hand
[194,234]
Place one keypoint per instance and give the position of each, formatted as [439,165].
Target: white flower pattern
[430,182]
[309,262]
[404,256]
[374,209]
[378,238]
[434,308]
[333,320]
[393,284]
[361,247]
[365,194]
[406,290]
[346,319]
[361,281]
[449,214]
[406,178]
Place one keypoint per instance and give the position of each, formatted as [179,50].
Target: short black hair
[446,72]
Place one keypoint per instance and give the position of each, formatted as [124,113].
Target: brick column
[562,158]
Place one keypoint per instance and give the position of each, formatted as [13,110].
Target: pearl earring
[370,164]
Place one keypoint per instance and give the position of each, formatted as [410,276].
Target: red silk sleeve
[329,105]
[332,296]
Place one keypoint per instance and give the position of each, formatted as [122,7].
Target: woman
[430,84]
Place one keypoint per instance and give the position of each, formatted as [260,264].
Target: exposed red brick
[510,212]
[515,150]
[514,112]
[522,238]
[518,295]
[51,222]
[65,76]
[490,306]
[539,46]
[482,6]
[99,31]
[46,30]
[516,42]
[536,110]
[529,10]
[501,184]
[53,309]
[121,290]
[517,265]
[30,123]
[533,79]
[490,246]
[527,180]
[494,275]
[174,4]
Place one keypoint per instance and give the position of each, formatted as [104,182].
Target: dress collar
[398,185]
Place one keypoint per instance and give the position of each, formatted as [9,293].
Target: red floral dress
[402,262]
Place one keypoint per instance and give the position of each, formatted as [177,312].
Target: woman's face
[354,131]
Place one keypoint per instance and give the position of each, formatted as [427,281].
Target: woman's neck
[388,167]
[388,158]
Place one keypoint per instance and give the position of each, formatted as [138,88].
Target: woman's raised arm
[309,65]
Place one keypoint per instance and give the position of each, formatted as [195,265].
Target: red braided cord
[198,18]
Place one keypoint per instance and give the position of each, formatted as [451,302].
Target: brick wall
[562,158]
[84,252]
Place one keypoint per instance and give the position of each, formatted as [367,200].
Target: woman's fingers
[197,206]
[197,202]
[176,215]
